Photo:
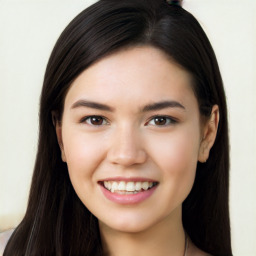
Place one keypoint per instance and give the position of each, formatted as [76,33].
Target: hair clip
[174,2]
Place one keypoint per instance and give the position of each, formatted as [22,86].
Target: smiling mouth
[126,188]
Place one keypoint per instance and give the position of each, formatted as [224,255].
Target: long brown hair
[56,222]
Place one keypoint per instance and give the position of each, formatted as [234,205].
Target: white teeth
[109,185]
[114,186]
[121,185]
[145,185]
[138,186]
[130,187]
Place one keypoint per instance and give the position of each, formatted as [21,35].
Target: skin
[129,142]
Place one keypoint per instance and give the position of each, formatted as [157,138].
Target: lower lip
[130,198]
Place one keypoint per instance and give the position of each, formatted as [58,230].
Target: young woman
[133,154]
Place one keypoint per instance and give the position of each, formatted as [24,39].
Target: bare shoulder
[4,237]
[195,251]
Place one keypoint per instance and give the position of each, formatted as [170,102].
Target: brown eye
[95,120]
[160,120]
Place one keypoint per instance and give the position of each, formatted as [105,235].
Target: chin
[127,225]
[131,222]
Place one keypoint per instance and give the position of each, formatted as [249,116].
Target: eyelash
[168,119]
[85,120]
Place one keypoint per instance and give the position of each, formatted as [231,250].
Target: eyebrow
[162,105]
[91,104]
[147,108]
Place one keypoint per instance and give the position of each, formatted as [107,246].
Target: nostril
[127,147]
[127,159]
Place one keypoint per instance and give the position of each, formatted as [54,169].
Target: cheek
[83,154]
[176,155]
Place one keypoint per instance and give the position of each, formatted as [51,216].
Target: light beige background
[28,31]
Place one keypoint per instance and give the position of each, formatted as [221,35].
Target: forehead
[134,75]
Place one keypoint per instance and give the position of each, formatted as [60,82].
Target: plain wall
[28,32]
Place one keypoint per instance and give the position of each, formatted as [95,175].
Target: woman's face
[130,135]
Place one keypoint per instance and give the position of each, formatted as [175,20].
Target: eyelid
[85,118]
[172,120]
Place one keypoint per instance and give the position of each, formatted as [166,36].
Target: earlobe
[203,152]
[58,129]
[209,135]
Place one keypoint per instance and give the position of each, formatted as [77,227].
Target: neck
[163,238]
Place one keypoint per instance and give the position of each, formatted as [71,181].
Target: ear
[58,128]
[209,135]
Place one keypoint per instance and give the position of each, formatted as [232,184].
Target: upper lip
[127,179]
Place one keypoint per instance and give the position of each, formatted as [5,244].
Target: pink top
[4,237]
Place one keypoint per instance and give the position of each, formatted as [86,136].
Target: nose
[126,148]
